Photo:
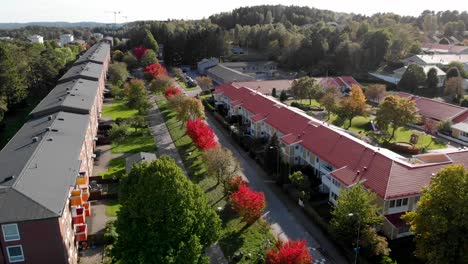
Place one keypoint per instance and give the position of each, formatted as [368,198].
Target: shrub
[248,203]
[294,252]
[110,235]
[445,127]
[119,132]
[172,91]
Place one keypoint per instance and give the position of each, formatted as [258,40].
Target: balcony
[87,206]
[82,180]
[81,232]
[84,192]
[76,198]
[78,215]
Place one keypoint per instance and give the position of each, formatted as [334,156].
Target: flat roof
[75,96]
[90,71]
[98,53]
[40,165]
[461,126]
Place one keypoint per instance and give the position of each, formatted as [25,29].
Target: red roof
[386,173]
[339,81]
[448,48]
[266,87]
[437,110]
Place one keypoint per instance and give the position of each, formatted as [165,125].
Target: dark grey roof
[44,158]
[76,96]
[98,53]
[248,63]
[138,157]
[229,75]
[89,71]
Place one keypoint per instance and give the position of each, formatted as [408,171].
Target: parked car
[191,84]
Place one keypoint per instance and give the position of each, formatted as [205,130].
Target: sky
[102,10]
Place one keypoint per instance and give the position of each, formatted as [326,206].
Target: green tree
[355,209]
[117,55]
[3,108]
[432,81]
[160,83]
[459,66]
[12,83]
[164,217]
[149,58]
[353,105]
[376,92]
[330,100]
[307,88]
[453,72]
[283,96]
[118,132]
[136,94]
[130,60]
[149,42]
[439,221]
[454,88]
[413,78]
[118,72]
[273,92]
[191,108]
[395,112]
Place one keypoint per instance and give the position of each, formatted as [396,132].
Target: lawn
[312,102]
[142,141]
[112,207]
[236,236]
[118,109]
[116,168]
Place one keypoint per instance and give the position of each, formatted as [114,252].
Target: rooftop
[228,75]
[76,96]
[40,165]
[265,87]
[443,48]
[443,59]
[97,54]
[90,71]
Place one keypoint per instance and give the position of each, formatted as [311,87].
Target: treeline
[30,70]
[300,38]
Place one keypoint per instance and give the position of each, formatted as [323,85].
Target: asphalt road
[286,218]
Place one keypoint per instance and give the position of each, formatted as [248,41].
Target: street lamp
[357,238]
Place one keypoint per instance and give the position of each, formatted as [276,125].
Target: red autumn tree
[291,252]
[139,52]
[171,91]
[233,184]
[201,134]
[248,203]
[154,70]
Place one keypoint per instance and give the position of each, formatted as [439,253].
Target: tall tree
[355,209]
[395,112]
[353,105]
[221,164]
[454,88]
[248,203]
[190,109]
[149,42]
[413,78]
[149,58]
[12,83]
[307,88]
[164,217]
[432,81]
[453,72]
[118,72]
[459,66]
[330,99]
[3,108]
[439,221]
[136,93]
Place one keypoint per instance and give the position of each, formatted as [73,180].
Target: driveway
[286,218]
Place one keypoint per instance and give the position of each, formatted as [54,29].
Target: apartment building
[65,39]
[338,159]
[46,167]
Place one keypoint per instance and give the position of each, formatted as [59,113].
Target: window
[392,203]
[398,202]
[405,201]
[10,232]
[15,253]
[334,196]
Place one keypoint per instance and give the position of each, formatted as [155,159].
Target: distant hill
[51,24]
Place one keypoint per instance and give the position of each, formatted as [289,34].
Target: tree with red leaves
[248,203]
[172,91]
[291,252]
[139,52]
[232,184]
[201,134]
[154,70]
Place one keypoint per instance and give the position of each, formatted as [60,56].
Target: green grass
[184,85]
[14,121]
[236,235]
[142,141]
[118,109]
[112,207]
[308,102]
[116,168]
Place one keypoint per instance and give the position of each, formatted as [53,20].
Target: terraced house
[45,168]
[338,159]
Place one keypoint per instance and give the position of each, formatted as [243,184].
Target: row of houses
[45,168]
[338,159]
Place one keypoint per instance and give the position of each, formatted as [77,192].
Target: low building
[136,158]
[109,40]
[65,39]
[460,131]
[439,60]
[338,159]
[36,39]
[258,69]
[344,83]
[221,74]
[99,53]
[205,64]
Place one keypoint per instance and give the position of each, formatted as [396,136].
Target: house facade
[36,39]
[65,39]
[45,172]
[338,159]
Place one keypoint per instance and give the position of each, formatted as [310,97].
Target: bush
[208,106]
[117,92]
[119,132]
[110,235]
[445,127]
[232,185]
[248,204]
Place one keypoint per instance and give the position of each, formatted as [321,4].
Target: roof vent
[61,119]
[9,178]
[365,168]
[50,139]
[54,130]
[68,92]
[49,117]
[358,172]
[60,99]
[47,128]
[35,139]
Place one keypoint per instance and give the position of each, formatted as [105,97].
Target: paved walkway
[159,129]
[286,218]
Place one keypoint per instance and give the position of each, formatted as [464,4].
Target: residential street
[286,218]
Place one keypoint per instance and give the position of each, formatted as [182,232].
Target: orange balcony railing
[78,214]
[81,232]
[84,192]
[76,198]
[87,206]
[82,180]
